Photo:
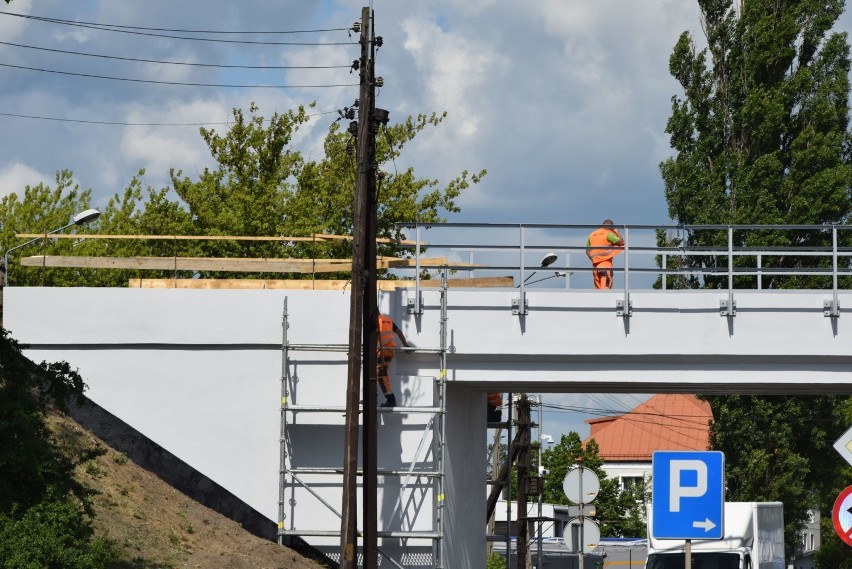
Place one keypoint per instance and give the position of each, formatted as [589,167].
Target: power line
[176,30]
[53,50]
[119,123]
[158,82]
[117,29]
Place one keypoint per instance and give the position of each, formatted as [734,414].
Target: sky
[563,102]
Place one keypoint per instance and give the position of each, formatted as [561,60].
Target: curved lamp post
[80,219]
[546,261]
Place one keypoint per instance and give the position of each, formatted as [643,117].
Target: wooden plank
[309,284]
[217,264]
[243,284]
[476,282]
[318,237]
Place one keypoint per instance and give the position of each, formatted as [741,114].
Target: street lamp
[546,261]
[80,219]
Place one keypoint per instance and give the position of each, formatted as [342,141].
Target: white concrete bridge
[209,374]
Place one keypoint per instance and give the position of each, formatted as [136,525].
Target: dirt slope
[158,527]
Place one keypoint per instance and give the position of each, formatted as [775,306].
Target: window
[630,482]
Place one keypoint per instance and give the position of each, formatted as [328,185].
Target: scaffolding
[427,463]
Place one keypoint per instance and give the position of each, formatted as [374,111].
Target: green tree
[42,209]
[44,514]
[260,186]
[780,449]
[761,137]
[618,513]
[761,132]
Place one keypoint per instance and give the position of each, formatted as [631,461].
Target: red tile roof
[663,422]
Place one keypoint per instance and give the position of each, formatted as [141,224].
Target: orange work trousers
[603,274]
[383,376]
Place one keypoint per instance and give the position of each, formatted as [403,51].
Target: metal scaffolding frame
[291,477]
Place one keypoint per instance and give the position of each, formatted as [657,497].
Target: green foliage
[495,561]
[43,510]
[52,534]
[761,136]
[42,209]
[780,449]
[260,187]
[618,513]
[761,132]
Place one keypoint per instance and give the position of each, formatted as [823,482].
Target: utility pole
[367,168]
[349,515]
[524,425]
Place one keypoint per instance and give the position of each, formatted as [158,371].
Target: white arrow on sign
[707,525]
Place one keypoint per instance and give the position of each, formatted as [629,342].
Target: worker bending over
[604,244]
[384,355]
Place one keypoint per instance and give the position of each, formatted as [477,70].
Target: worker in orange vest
[604,244]
[495,407]
[385,351]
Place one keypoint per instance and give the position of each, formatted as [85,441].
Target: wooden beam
[310,284]
[218,264]
[313,237]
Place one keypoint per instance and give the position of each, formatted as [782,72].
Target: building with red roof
[668,421]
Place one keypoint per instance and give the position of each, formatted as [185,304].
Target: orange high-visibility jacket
[495,400]
[603,246]
[387,342]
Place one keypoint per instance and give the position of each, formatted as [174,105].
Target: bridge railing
[690,256]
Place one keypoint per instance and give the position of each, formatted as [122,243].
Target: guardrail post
[729,307]
[624,308]
[831,308]
[415,304]
[519,305]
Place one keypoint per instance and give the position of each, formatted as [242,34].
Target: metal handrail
[516,241]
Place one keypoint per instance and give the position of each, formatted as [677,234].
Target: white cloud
[15,177]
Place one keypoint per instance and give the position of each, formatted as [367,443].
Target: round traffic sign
[585,536]
[581,485]
[841,515]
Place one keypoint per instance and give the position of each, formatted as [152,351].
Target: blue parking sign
[688,499]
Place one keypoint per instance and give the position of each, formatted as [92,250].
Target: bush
[44,521]
[53,534]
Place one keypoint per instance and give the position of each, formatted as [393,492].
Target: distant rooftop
[663,422]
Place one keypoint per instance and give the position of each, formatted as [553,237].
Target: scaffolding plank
[217,264]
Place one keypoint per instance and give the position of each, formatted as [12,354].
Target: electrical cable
[119,123]
[53,50]
[176,30]
[133,31]
[187,84]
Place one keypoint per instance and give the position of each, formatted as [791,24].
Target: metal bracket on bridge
[620,311]
[728,307]
[516,307]
[831,308]
[415,305]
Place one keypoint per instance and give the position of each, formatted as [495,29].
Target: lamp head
[86,216]
[548,259]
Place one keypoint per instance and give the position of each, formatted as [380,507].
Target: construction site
[249,385]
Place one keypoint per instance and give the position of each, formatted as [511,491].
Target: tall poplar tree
[761,136]
[761,132]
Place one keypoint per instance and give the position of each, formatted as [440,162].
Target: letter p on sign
[681,486]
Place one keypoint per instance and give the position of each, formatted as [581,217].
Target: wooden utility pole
[367,172]
[524,427]
[349,514]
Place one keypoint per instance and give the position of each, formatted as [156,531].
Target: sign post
[581,486]
[688,496]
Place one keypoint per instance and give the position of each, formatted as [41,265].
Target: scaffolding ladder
[313,479]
